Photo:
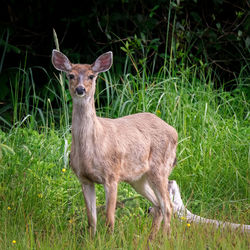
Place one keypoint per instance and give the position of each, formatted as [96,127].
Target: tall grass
[40,199]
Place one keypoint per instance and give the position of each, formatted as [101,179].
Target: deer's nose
[80,90]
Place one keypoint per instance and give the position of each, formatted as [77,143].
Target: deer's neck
[84,122]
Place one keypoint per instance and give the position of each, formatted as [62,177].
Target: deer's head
[82,77]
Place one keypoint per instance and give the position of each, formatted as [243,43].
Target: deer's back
[148,126]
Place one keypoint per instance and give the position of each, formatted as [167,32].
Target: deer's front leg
[111,196]
[90,201]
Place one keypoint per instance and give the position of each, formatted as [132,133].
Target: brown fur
[139,149]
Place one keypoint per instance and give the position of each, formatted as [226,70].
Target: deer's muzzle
[80,91]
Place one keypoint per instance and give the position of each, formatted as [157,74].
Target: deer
[139,149]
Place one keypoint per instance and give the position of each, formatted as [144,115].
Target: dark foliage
[215,32]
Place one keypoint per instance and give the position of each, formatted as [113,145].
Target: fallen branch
[182,211]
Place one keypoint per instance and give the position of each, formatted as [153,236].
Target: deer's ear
[60,61]
[103,62]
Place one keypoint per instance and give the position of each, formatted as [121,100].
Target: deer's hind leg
[143,187]
[160,187]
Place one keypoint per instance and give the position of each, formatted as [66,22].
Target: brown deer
[139,149]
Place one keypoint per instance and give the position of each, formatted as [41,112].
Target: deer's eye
[91,77]
[71,76]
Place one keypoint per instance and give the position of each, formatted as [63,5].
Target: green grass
[41,203]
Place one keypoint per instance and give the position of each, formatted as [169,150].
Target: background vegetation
[185,61]
[212,33]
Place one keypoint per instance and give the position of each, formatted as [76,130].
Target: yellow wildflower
[13,241]
[188,225]
[158,112]
[63,170]
[9,208]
